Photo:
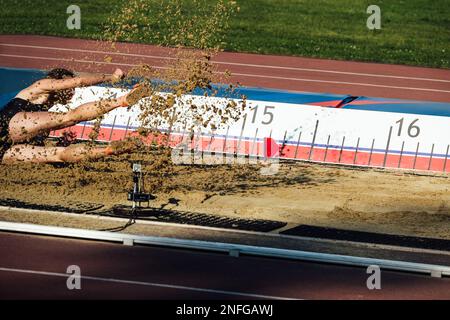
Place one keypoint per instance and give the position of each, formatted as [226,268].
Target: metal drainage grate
[199,219]
[369,237]
[153,214]
[70,206]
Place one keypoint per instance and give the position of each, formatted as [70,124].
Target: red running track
[280,72]
[34,267]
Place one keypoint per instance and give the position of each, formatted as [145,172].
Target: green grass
[414,32]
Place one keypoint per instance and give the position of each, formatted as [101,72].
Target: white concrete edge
[232,249]
[223,230]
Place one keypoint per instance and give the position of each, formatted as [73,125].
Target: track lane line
[230,63]
[148,284]
[339,82]
[235,74]
[73,60]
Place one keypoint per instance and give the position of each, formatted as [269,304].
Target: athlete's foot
[124,146]
[139,91]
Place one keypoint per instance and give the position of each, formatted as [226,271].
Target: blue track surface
[13,80]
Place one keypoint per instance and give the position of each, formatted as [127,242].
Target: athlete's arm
[49,85]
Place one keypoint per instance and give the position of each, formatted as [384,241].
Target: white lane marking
[230,63]
[340,82]
[70,60]
[148,284]
[235,74]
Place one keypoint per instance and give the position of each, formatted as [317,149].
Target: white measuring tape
[303,132]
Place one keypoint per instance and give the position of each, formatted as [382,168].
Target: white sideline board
[304,132]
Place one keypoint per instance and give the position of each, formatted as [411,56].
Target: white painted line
[227,63]
[69,60]
[235,74]
[91,51]
[227,247]
[336,72]
[148,284]
[339,82]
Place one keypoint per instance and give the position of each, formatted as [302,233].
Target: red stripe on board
[243,147]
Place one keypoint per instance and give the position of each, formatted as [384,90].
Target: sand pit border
[90,222]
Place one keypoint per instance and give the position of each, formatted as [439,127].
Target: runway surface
[280,72]
[34,267]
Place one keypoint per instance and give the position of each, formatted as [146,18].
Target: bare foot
[139,91]
[124,146]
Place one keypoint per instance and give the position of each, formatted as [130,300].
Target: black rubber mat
[369,237]
[154,214]
[70,206]
[199,219]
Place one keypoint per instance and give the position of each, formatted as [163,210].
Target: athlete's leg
[74,153]
[26,125]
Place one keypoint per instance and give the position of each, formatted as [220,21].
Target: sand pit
[301,193]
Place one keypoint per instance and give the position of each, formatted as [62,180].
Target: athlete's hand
[118,75]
